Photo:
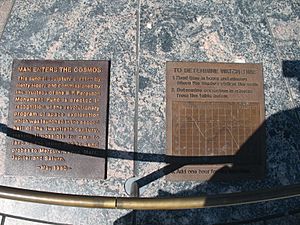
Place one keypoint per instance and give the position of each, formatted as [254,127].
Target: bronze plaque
[57,123]
[216,111]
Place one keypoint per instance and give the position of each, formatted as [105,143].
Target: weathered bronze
[216,109]
[58,118]
[171,203]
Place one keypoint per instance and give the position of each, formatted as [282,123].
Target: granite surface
[217,31]
[75,30]
[284,19]
[5,8]
[194,32]
[146,34]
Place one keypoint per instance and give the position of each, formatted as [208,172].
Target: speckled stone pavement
[139,36]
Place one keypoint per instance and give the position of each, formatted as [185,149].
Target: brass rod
[57,198]
[209,201]
[170,203]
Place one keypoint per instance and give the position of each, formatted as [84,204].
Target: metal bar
[3,220]
[4,216]
[204,201]
[57,198]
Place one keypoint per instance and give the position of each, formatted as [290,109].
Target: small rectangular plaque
[58,119]
[216,110]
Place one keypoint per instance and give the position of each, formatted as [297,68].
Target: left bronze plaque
[57,124]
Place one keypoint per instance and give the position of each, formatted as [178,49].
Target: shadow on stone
[282,127]
[282,140]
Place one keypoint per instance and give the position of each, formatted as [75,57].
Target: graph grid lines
[212,128]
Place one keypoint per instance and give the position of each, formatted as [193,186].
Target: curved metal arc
[57,198]
[169,203]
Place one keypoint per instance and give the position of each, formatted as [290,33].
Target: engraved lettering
[57,104]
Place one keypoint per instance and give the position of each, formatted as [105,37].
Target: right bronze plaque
[215,112]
